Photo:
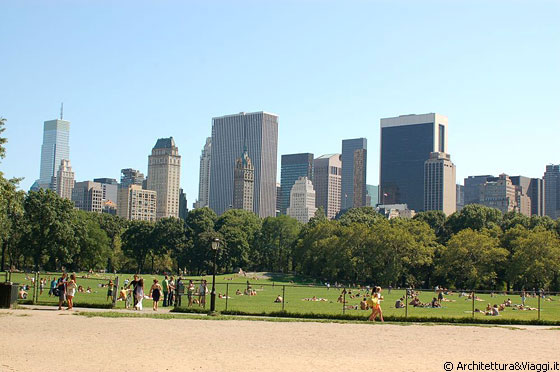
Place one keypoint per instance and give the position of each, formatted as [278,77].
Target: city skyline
[485,79]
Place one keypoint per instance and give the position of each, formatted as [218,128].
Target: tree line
[478,247]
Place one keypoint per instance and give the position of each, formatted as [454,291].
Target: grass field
[295,291]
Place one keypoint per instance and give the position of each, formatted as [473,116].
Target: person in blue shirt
[53,286]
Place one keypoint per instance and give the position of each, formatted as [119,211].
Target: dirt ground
[48,340]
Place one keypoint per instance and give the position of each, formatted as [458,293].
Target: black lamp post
[215,246]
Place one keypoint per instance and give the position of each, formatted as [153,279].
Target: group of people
[65,289]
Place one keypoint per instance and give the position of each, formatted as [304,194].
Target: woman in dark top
[155,293]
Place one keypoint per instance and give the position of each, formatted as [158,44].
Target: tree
[512,219]
[364,215]
[239,229]
[3,140]
[93,246]
[434,219]
[474,217]
[113,227]
[273,250]
[49,238]
[535,259]
[138,241]
[471,259]
[200,231]
[170,236]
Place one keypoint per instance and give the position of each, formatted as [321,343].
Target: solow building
[302,200]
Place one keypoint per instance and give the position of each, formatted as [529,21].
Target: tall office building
[473,186]
[533,188]
[204,175]
[230,134]
[502,194]
[552,191]
[55,148]
[406,143]
[293,166]
[359,190]
[164,175]
[243,182]
[460,193]
[439,184]
[278,198]
[135,203]
[109,186]
[327,181]
[131,176]
[183,209]
[302,200]
[372,195]
[65,180]
[88,196]
[351,176]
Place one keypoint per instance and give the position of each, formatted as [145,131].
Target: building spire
[61,110]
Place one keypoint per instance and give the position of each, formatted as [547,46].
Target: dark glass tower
[349,147]
[406,143]
[293,166]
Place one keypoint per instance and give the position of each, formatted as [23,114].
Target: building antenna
[61,110]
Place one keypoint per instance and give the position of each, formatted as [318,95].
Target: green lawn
[294,291]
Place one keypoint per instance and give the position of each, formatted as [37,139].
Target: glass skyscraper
[293,166]
[349,146]
[406,143]
[56,138]
[259,132]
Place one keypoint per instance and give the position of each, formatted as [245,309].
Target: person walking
[53,286]
[110,289]
[155,293]
[61,290]
[171,289]
[139,294]
[202,290]
[190,292]
[134,285]
[376,305]
[71,291]
[165,290]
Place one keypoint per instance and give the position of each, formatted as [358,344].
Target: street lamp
[215,246]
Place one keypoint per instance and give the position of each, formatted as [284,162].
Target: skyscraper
[502,194]
[55,148]
[351,175]
[373,195]
[473,186]
[164,174]
[204,175]
[406,143]
[302,200]
[533,188]
[327,181]
[552,191]
[109,187]
[88,196]
[292,167]
[243,182]
[135,203]
[439,184]
[359,187]
[460,196]
[183,209]
[131,176]
[259,132]
[65,180]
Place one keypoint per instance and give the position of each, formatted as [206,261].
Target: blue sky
[132,71]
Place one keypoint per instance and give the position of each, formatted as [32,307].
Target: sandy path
[48,341]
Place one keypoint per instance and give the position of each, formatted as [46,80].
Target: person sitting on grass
[415,302]
[22,294]
[502,307]
[399,304]
[278,299]
[435,303]
[238,292]
[340,299]
[493,311]
[488,308]
[363,304]
[508,303]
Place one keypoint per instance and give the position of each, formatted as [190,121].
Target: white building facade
[302,200]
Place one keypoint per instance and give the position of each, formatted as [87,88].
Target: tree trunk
[4,248]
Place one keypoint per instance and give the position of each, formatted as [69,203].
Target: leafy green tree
[50,238]
[434,219]
[472,259]
[474,217]
[545,222]
[93,246]
[170,236]
[535,259]
[363,215]
[273,248]
[11,215]
[3,140]
[512,219]
[113,227]
[319,217]
[200,231]
[138,242]
[238,229]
